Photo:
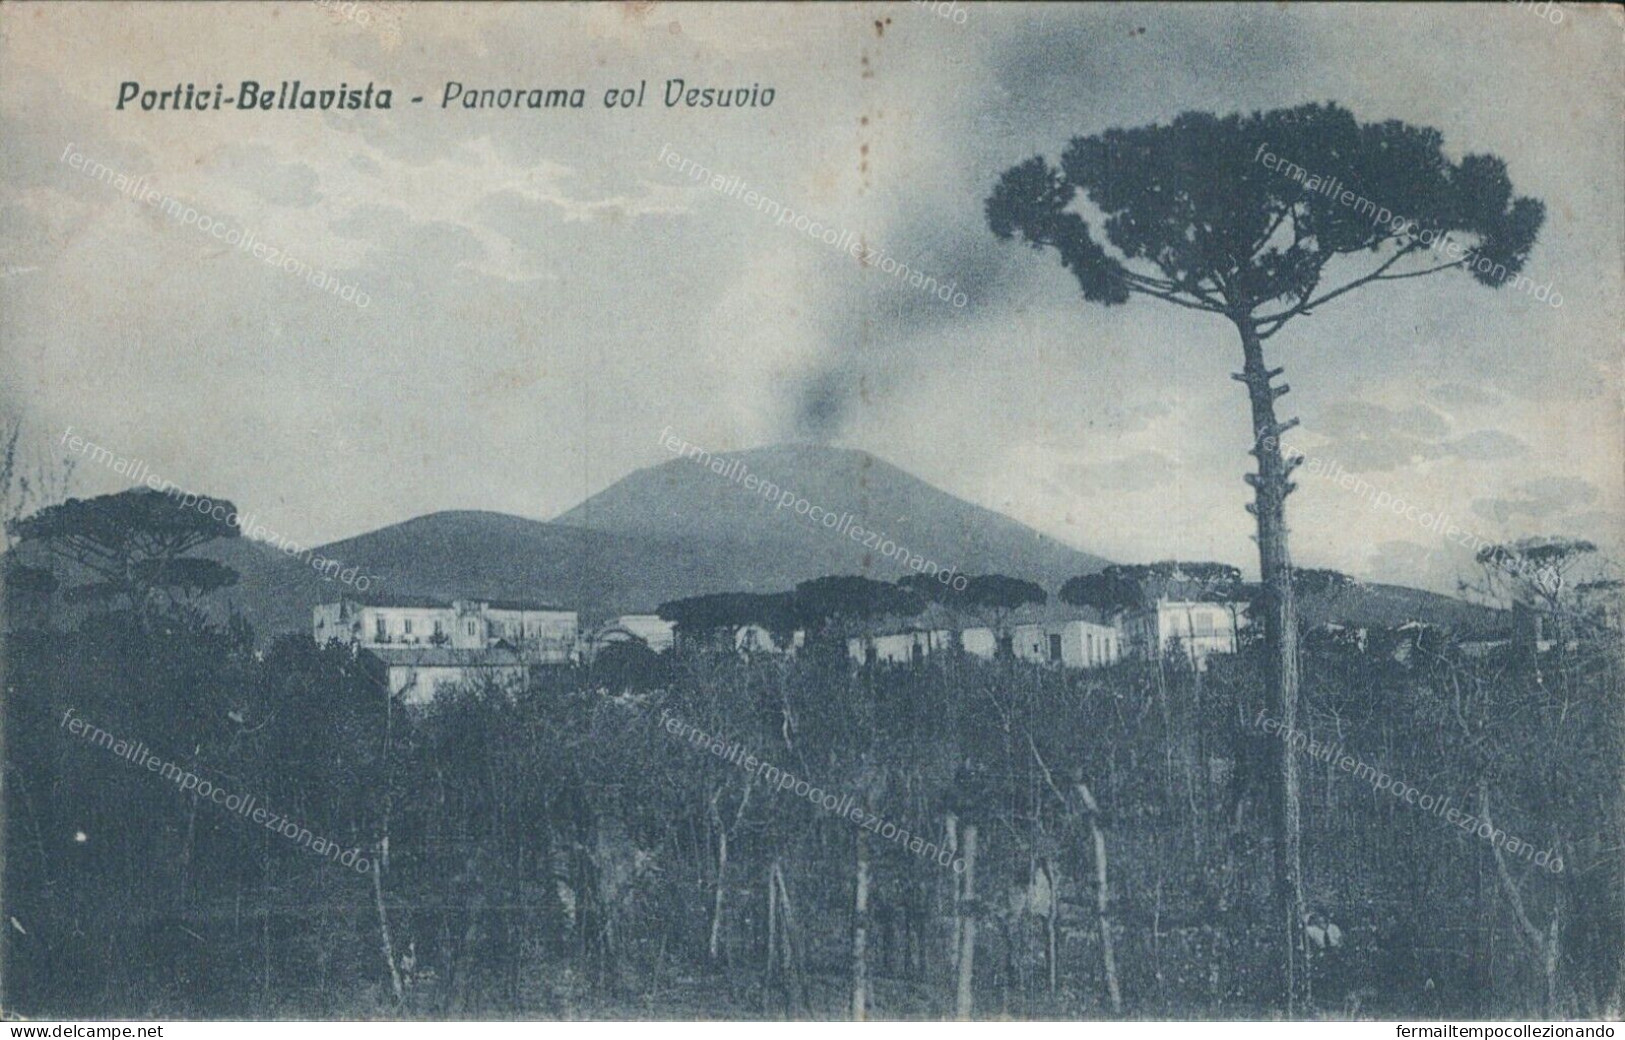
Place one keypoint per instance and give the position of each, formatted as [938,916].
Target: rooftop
[938,617]
[519,604]
[445,657]
[436,603]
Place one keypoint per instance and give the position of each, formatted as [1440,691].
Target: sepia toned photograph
[902,512]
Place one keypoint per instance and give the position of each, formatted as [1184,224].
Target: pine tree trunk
[1052,877]
[791,963]
[772,923]
[720,896]
[1271,486]
[967,929]
[378,865]
[385,941]
[1108,955]
[860,933]
[951,842]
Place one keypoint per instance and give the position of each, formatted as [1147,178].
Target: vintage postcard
[813,512]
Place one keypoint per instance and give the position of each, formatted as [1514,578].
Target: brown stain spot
[637,10]
[880,26]
[863,120]
[519,377]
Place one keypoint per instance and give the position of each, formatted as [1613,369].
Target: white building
[1065,637]
[541,634]
[909,647]
[416,674]
[1059,636]
[650,630]
[981,642]
[754,639]
[1193,628]
[656,632]
[1068,642]
[1080,643]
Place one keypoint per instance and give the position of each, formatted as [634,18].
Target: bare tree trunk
[1199,782]
[1553,958]
[1053,877]
[952,844]
[1271,486]
[769,976]
[1543,946]
[860,933]
[383,926]
[722,862]
[383,858]
[186,850]
[1108,954]
[787,937]
[265,921]
[967,929]
[716,905]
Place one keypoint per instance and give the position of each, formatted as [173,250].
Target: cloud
[1368,437]
[255,169]
[1140,471]
[1400,562]
[1546,498]
[497,245]
[1465,394]
[497,216]
[1485,446]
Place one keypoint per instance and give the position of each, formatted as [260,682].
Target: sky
[545,294]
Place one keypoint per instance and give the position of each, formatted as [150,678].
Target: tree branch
[1303,308]
[1172,298]
[1135,278]
[1269,233]
[1418,274]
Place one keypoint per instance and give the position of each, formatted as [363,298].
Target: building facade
[657,633]
[539,633]
[1065,642]
[1083,644]
[910,647]
[1195,629]
[417,674]
[649,630]
[1079,639]
[755,639]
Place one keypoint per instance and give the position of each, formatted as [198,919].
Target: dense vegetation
[564,853]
